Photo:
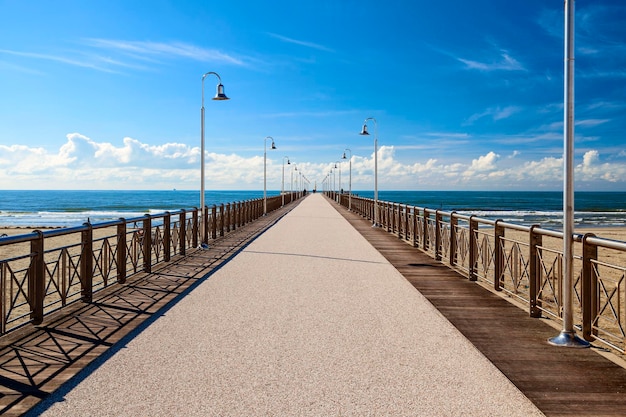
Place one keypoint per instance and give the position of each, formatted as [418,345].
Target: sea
[30,209]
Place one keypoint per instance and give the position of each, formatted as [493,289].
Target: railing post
[438,235]
[406,222]
[147,243]
[194,228]
[425,242]
[121,251]
[414,237]
[399,222]
[454,222]
[221,219]
[535,241]
[473,246]
[214,221]
[36,279]
[589,288]
[205,225]
[86,263]
[227,218]
[167,237]
[498,265]
[237,220]
[182,234]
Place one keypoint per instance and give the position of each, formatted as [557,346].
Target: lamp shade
[219,94]
[364,130]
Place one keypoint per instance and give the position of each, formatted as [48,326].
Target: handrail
[525,262]
[42,275]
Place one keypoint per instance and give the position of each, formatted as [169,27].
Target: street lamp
[291,180]
[219,95]
[282,185]
[265,171]
[567,337]
[350,181]
[364,132]
[339,189]
[297,173]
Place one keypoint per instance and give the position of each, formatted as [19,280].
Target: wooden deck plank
[559,381]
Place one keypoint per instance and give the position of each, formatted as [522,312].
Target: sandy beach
[613,233]
[21,249]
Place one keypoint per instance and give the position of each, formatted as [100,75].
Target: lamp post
[364,132]
[282,185]
[219,95]
[339,186]
[291,181]
[350,179]
[567,337]
[265,171]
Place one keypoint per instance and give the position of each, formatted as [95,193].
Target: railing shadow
[37,361]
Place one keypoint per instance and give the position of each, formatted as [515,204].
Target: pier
[306,311]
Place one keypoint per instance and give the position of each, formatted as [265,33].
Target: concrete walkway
[308,320]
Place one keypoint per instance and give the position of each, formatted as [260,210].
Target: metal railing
[47,270]
[524,262]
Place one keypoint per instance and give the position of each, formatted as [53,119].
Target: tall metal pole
[265,171]
[568,337]
[282,185]
[339,186]
[220,95]
[350,179]
[364,132]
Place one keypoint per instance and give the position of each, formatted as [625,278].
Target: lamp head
[344,156]
[273,145]
[219,94]
[364,130]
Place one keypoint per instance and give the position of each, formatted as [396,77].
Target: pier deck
[307,319]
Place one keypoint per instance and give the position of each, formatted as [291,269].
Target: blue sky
[466,95]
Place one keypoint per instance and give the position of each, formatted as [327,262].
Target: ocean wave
[62,218]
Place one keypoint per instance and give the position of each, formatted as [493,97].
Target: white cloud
[301,43]
[112,56]
[496,113]
[485,162]
[147,50]
[592,168]
[85,163]
[84,62]
[505,63]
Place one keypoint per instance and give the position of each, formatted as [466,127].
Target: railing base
[568,339]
